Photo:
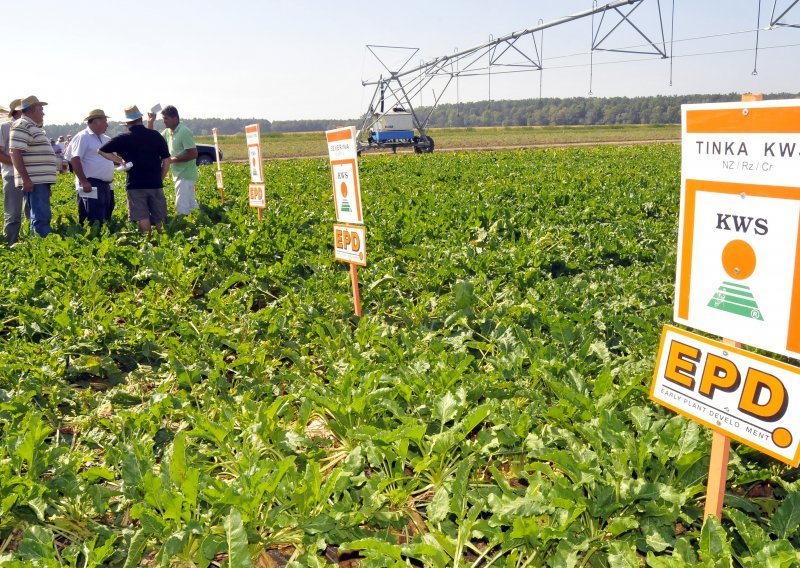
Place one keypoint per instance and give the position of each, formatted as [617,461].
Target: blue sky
[283,60]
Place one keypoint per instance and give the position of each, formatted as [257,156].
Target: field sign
[344,173]
[738,272]
[350,244]
[257,195]
[744,396]
[253,137]
[220,184]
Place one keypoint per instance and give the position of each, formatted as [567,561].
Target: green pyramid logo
[736,299]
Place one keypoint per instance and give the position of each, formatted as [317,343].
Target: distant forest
[527,112]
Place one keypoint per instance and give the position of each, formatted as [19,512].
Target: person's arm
[165,168]
[77,167]
[151,119]
[19,165]
[187,155]
[184,140]
[113,157]
[5,159]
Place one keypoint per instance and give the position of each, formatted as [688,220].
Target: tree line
[526,112]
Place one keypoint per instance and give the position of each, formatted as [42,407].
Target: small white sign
[342,143]
[350,244]
[346,191]
[744,396]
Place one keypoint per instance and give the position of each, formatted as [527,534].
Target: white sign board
[350,244]
[738,273]
[344,174]
[744,396]
[218,173]
[253,137]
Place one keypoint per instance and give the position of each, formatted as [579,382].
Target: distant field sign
[344,174]
[253,137]
[744,396]
[738,273]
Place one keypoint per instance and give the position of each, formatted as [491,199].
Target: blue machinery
[392,122]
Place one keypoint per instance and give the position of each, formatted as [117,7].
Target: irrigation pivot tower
[391,120]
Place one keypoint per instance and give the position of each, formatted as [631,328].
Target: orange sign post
[257,188]
[738,276]
[349,238]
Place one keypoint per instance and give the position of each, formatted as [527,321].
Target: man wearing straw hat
[148,155]
[12,196]
[35,163]
[93,173]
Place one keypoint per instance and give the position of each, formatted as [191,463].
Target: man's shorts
[147,204]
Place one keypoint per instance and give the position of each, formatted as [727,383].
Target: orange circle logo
[782,437]
[739,259]
[343,189]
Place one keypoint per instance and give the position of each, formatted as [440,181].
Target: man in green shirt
[183,153]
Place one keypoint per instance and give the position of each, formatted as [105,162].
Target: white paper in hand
[87,195]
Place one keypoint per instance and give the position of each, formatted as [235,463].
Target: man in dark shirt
[147,152]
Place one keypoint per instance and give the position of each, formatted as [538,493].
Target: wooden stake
[720,443]
[718,468]
[260,213]
[356,291]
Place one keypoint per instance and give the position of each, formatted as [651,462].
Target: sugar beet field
[208,398]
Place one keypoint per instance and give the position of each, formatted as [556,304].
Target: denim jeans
[12,210]
[39,202]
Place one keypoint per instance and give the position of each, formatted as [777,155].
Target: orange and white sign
[350,244]
[253,136]
[744,396]
[344,174]
[738,273]
[258,196]
[342,143]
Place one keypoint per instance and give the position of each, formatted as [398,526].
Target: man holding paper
[94,174]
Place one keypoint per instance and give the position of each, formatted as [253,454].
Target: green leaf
[777,554]
[238,553]
[623,555]
[374,545]
[621,525]
[715,550]
[787,518]
[177,471]
[135,551]
[753,535]
[464,292]
[439,507]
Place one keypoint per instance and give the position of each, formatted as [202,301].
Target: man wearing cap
[12,196]
[34,162]
[93,173]
[148,154]
[183,152]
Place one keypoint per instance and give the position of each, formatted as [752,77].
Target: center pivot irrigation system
[392,122]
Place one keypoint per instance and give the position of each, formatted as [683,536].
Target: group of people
[30,165]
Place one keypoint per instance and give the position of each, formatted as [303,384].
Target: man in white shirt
[94,174]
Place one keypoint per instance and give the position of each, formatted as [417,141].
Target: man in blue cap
[148,155]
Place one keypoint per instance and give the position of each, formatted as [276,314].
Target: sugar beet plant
[207,397]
